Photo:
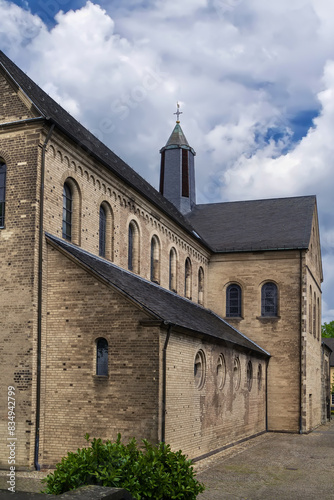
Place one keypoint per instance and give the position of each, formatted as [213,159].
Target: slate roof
[53,112]
[282,223]
[329,343]
[162,304]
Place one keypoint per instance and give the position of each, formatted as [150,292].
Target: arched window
[199,369]
[102,232]
[3,170]
[106,230]
[155,259]
[71,211]
[201,286]
[236,373]
[187,279]
[233,301]
[67,212]
[269,299]
[173,270]
[101,357]
[133,247]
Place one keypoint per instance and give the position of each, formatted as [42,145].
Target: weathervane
[178,113]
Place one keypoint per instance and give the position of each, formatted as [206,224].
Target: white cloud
[242,70]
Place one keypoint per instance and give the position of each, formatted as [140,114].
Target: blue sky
[255,80]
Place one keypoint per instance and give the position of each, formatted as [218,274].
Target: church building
[127,309]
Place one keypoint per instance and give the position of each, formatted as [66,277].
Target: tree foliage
[327,330]
[153,472]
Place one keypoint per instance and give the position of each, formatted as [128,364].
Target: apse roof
[274,224]
[162,304]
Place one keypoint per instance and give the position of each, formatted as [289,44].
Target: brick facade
[77,308]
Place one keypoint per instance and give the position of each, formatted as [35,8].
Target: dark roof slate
[282,223]
[162,304]
[52,111]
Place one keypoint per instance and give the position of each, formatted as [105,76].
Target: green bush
[154,472]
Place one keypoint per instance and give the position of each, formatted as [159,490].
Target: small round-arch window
[249,375]
[199,369]
[101,357]
[236,373]
[221,371]
[259,377]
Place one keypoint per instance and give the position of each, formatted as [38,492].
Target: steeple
[177,172]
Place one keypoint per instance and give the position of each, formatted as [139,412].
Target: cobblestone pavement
[273,466]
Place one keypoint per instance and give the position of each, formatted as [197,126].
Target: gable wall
[279,336]
[96,185]
[201,420]
[79,310]
[14,105]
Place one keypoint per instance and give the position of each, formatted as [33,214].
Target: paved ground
[273,466]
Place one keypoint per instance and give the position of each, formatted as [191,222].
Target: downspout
[164,380]
[267,365]
[39,297]
[301,343]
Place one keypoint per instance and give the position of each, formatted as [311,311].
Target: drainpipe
[39,298]
[164,379]
[267,365]
[301,344]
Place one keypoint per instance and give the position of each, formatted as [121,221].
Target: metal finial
[178,112]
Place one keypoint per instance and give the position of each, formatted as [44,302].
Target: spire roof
[177,137]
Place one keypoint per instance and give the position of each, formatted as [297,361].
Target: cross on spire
[178,113]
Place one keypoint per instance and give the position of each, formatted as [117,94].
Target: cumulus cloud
[244,71]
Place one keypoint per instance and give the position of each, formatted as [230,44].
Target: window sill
[233,318]
[101,377]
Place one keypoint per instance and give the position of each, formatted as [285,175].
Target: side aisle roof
[162,304]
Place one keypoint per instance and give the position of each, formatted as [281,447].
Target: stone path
[273,466]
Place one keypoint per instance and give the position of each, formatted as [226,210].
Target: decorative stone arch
[199,369]
[106,230]
[173,269]
[155,259]
[72,199]
[133,246]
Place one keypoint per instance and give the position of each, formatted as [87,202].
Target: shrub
[153,472]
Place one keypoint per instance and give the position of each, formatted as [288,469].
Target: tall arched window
[187,279]
[3,170]
[67,212]
[101,357]
[173,270]
[155,259]
[102,232]
[133,247]
[269,300]
[233,301]
[201,286]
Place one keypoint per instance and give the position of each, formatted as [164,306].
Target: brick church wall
[279,336]
[81,309]
[18,267]
[200,420]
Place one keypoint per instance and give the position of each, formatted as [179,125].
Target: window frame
[229,313]
[265,298]
[102,365]
[67,212]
